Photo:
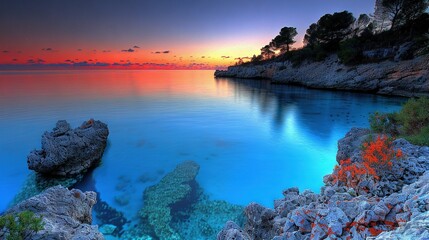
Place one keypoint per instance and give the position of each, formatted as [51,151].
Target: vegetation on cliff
[396,25]
[411,123]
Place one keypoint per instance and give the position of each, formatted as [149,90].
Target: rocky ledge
[69,152]
[393,205]
[401,78]
[66,214]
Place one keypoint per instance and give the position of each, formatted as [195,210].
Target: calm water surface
[252,139]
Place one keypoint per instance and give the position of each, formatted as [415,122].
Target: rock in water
[68,152]
[172,189]
[66,214]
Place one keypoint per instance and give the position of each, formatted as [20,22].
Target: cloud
[15,60]
[159,52]
[79,50]
[129,50]
[5,51]
[47,49]
[35,61]
[203,56]
[106,51]
[87,64]
[225,57]
[135,46]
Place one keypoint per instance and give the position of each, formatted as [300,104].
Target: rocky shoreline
[395,206]
[407,78]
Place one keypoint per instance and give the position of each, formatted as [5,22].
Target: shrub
[350,51]
[411,123]
[20,226]
[377,157]
[384,123]
[414,115]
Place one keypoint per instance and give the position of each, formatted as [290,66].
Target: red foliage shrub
[377,157]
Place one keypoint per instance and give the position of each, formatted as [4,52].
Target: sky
[151,34]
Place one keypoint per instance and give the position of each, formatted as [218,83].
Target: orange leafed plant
[377,157]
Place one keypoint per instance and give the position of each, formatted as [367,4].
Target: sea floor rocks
[66,214]
[68,152]
[159,199]
[206,218]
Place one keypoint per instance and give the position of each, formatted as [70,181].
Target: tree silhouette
[285,38]
[267,52]
[401,12]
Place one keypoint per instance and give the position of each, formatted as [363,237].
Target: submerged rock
[174,188]
[69,152]
[66,214]
[206,218]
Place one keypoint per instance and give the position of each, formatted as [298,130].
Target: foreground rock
[69,152]
[402,78]
[397,203]
[66,214]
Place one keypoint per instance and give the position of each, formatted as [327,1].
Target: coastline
[408,78]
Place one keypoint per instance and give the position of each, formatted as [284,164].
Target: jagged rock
[66,214]
[405,78]
[159,199]
[69,152]
[400,198]
[351,143]
[232,231]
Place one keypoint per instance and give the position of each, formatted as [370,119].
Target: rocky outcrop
[66,214]
[393,206]
[401,78]
[69,152]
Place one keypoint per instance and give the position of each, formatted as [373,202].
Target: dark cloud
[136,46]
[106,50]
[35,61]
[203,56]
[5,51]
[159,52]
[47,49]
[15,60]
[88,64]
[79,50]
[224,57]
[129,50]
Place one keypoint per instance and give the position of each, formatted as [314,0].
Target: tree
[285,38]
[267,52]
[310,38]
[330,29]
[401,12]
[256,58]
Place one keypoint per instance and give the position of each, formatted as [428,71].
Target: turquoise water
[251,139]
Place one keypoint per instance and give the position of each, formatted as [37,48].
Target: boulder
[232,231]
[66,214]
[69,152]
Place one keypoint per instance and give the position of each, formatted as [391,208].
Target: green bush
[422,138]
[411,123]
[20,226]
[385,123]
[350,51]
[414,115]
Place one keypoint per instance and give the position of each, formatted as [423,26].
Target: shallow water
[251,139]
